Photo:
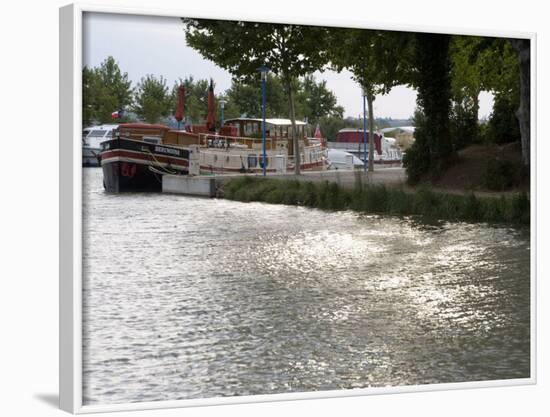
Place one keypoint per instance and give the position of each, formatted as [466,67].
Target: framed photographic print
[268,209]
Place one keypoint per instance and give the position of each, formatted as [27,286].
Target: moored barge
[135,159]
[139,154]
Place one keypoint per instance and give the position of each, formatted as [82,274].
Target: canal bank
[380,195]
[214,185]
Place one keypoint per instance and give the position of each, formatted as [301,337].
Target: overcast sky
[156,45]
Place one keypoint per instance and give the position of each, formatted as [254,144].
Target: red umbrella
[211,117]
[318,132]
[319,136]
[181,103]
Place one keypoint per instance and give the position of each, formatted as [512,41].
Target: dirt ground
[469,171]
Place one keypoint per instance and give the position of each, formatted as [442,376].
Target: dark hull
[123,177]
[138,166]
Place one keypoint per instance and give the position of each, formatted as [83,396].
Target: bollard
[194,160]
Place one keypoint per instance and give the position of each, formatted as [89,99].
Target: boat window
[151,139]
[85,132]
[252,160]
[238,126]
[251,129]
[97,133]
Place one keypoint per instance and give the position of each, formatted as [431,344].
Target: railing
[224,159]
[214,140]
[251,159]
[316,155]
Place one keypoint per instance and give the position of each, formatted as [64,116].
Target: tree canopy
[242,47]
[105,89]
[152,100]
[313,100]
[432,150]
[378,60]
[244,98]
[290,51]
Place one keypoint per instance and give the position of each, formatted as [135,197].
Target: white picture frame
[70,212]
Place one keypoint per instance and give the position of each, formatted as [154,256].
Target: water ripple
[195,298]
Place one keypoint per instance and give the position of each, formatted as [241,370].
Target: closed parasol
[181,103]
[211,117]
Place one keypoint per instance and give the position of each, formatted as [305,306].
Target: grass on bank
[382,200]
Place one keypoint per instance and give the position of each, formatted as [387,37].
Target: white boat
[92,137]
[386,150]
[242,152]
[339,159]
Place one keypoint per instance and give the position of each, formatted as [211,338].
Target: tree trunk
[523,49]
[475,126]
[295,142]
[370,99]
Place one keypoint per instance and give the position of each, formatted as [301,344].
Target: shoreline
[510,208]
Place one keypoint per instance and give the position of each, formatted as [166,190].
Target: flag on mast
[117,114]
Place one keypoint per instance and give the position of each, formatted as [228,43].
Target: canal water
[195,298]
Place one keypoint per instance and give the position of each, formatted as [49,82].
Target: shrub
[471,208]
[503,125]
[520,209]
[493,210]
[450,207]
[379,199]
[425,203]
[309,195]
[500,175]
[275,196]
[376,199]
[399,202]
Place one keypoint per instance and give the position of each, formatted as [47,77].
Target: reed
[379,199]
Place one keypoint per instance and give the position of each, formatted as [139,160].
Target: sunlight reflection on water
[194,298]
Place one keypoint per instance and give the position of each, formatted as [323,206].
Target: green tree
[523,51]
[503,125]
[290,51]
[152,100]
[104,89]
[313,99]
[464,126]
[432,150]
[466,84]
[317,100]
[492,64]
[246,98]
[89,95]
[377,60]
[330,125]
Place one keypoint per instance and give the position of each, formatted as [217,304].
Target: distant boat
[92,137]
[404,136]
[386,151]
[339,159]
